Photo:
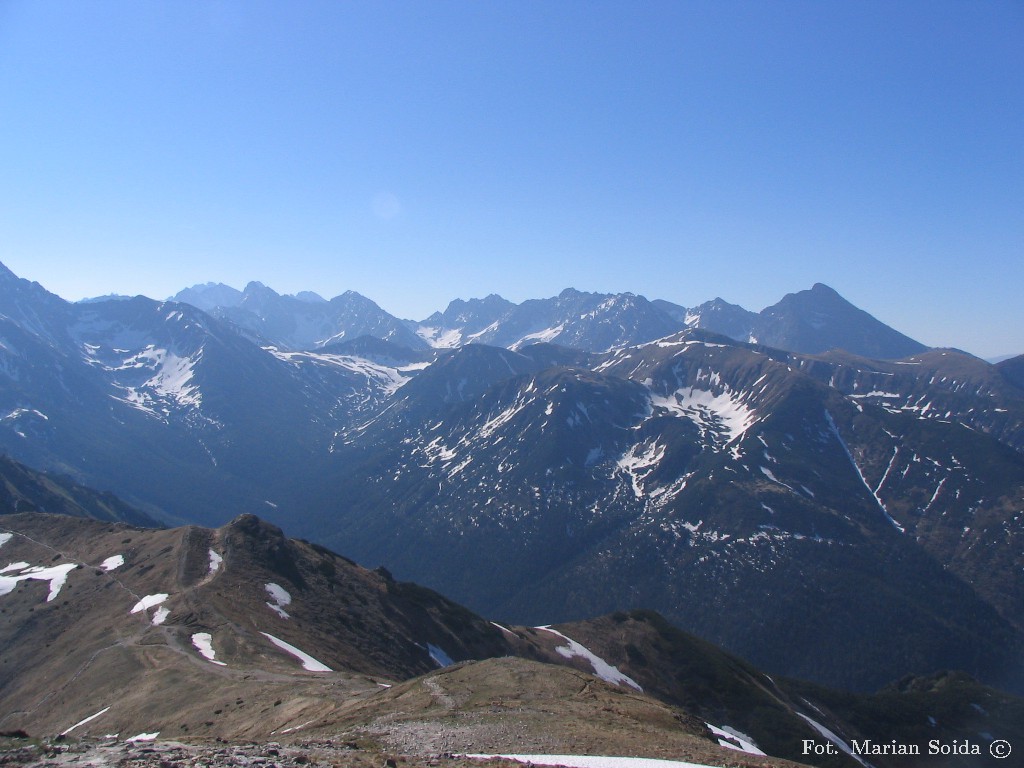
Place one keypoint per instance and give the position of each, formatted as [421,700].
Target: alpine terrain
[803,486]
[240,634]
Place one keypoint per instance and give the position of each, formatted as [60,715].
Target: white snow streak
[89,719]
[730,738]
[849,455]
[771,476]
[540,336]
[602,668]
[833,738]
[149,601]
[440,658]
[506,630]
[308,662]
[888,469]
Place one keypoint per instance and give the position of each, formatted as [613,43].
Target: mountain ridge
[229,624]
[810,321]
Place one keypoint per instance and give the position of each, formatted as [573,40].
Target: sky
[421,152]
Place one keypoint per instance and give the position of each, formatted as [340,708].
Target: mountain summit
[819,319]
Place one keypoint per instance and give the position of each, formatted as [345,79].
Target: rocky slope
[561,485]
[241,634]
[24,490]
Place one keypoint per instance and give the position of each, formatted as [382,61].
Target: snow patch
[388,378]
[57,575]
[540,336]
[843,746]
[639,462]
[308,662]
[203,641]
[144,737]
[149,601]
[112,562]
[280,598]
[730,738]
[722,412]
[446,338]
[440,658]
[89,719]
[602,668]
[849,455]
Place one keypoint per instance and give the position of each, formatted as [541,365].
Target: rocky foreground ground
[311,754]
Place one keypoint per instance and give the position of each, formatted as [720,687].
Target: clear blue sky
[421,151]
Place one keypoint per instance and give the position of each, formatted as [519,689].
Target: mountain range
[846,514]
[810,321]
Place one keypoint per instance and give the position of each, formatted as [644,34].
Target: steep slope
[305,323]
[719,316]
[212,423]
[695,466]
[463,322]
[25,490]
[203,612]
[575,319]
[242,634]
[937,385]
[1013,370]
[208,296]
[820,319]
[779,714]
[811,321]
[167,386]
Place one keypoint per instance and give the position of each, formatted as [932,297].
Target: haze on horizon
[420,153]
